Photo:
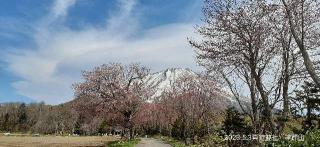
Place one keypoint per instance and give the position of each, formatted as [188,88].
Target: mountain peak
[177,69]
[175,73]
[163,80]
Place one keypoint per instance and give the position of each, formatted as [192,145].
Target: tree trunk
[286,79]
[307,61]
[308,113]
[128,124]
[253,104]
[265,100]
[286,104]
[131,132]
[300,42]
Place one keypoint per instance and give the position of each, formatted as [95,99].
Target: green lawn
[122,143]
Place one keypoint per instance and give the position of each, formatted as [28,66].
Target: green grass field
[120,143]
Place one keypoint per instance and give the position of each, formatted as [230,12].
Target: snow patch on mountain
[163,80]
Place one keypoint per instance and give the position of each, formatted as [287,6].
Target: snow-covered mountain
[163,80]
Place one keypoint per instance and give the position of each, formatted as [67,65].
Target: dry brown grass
[54,141]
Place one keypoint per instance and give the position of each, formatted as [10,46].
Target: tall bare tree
[238,38]
[291,62]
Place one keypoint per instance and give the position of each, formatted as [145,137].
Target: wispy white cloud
[60,7]
[48,71]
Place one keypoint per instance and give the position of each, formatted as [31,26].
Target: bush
[311,139]
[214,140]
[293,126]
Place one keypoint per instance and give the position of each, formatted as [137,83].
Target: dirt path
[150,142]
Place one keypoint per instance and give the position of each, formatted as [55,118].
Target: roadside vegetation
[173,142]
[124,143]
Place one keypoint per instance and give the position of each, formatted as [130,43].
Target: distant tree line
[35,118]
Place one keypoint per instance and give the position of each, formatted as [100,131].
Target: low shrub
[311,139]
[213,140]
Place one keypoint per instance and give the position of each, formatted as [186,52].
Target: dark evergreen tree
[5,125]
[22,117]
[309,99]
[234,122]
[103,127]
[178,129]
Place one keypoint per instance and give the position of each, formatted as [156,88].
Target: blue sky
[44,45]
